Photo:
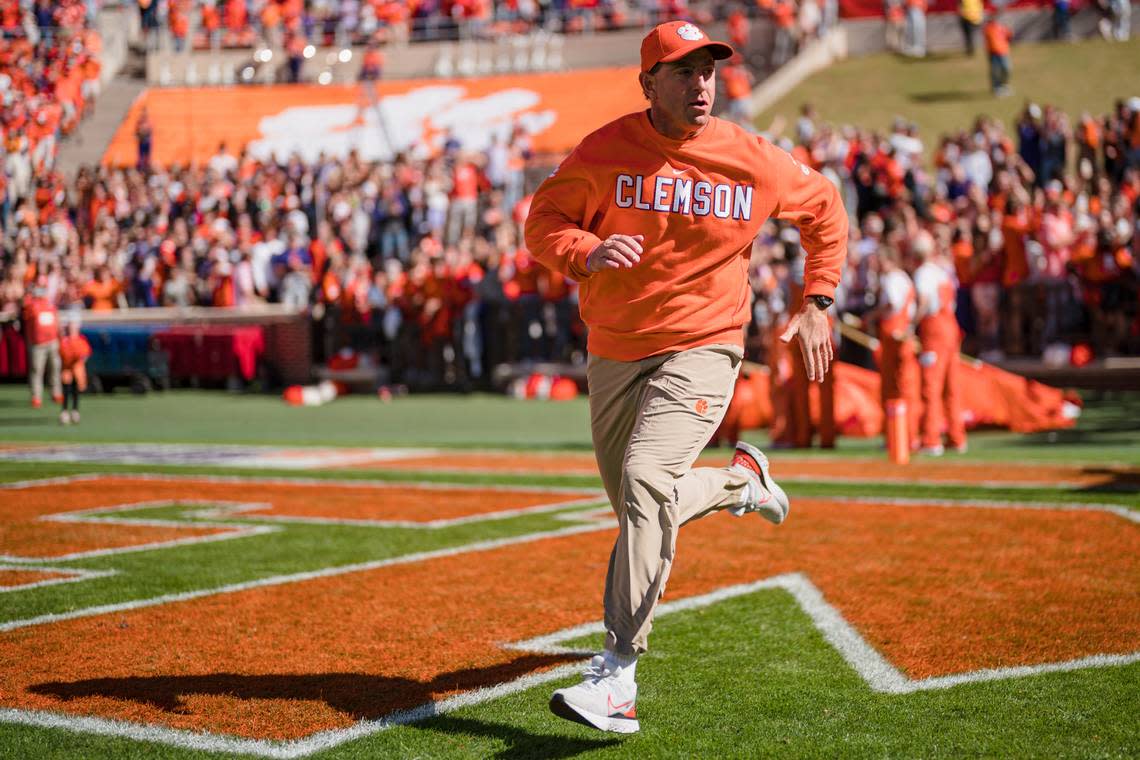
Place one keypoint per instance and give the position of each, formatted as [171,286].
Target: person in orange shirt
[998,37]
[738,83]
[41,318]
[784,16]
[898,365]
[941,342]
[73,352]
[103,292]
[654,215]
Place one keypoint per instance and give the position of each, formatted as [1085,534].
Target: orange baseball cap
[675,40]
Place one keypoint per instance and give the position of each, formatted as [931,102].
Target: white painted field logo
[690,33]
[400,123]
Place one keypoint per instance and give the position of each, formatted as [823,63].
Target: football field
[218,575]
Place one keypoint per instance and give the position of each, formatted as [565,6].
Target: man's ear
[647,83]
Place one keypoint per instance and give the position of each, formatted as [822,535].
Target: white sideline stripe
[1131,515]
[879,675]
[288,481]
[277,580]
[428,524]
[895,480]
[204,455]
[73,574]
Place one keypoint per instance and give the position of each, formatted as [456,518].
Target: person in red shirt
[73,352]
[466,181]
[41,320]
[654,215]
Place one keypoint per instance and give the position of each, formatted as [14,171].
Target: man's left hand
[814,332]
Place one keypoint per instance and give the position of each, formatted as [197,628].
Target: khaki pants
[650,420]
[44,356]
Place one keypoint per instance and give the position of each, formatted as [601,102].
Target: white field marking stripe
[879,675]
[241,531]
[73,574]
[270,457]
[277,580]
[997,674]
[62,480]
[430,524]
[279,481]
[142,732]
[92,517]
[870,479]
[1131,515]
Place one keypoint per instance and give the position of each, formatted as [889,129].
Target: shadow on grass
[520,744]
[358,695]
[950,96]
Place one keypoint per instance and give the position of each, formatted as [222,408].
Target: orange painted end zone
[936,590]
[24,533]
[17,578]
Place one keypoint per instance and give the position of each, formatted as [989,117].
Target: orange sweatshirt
[699,203]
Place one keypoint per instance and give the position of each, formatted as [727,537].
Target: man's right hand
[615,252]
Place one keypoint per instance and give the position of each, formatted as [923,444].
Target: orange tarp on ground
[557,109]
[991,397]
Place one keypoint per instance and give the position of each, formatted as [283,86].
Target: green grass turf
[299,547]
[1106,433]
[747,677]
[744,678]
[946,91]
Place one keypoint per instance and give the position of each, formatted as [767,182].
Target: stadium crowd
[419,259]
[1038,222]
[294,24]
[49,79]
[242,23]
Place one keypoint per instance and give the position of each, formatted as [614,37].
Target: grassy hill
[946,91]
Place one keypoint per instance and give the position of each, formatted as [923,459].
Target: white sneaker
[65,417]
[604,700]
[75,417]
[764,496]
[932,451]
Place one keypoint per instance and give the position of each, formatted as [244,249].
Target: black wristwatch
[823,302]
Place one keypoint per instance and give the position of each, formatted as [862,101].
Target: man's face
[681,93]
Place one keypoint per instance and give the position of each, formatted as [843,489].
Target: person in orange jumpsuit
[898,365]
[941,341]
[73,352]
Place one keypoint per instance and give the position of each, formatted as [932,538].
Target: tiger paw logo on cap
[689,32]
